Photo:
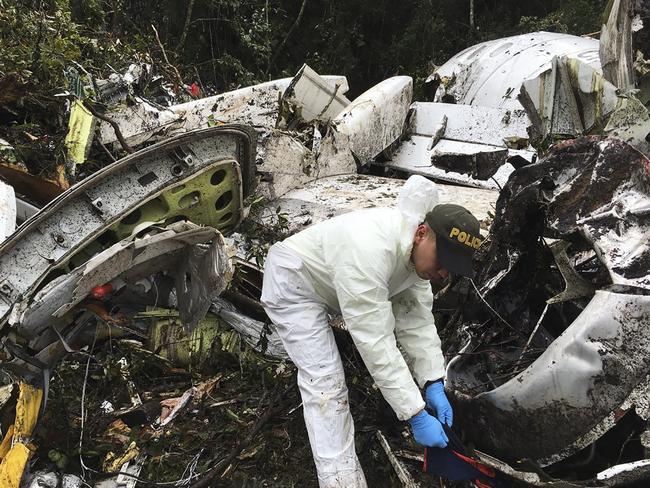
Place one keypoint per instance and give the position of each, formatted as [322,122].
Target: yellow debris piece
[27,408]
[12,467]
[81,128]
[6,442]
[14,446]
[113,462]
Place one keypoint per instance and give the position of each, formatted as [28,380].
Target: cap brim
[454,259]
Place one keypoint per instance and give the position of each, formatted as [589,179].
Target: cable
[490,307]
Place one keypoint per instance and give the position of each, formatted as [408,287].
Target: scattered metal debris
[592,361]
[376,118]
[128,270]
[490,74]
[310,98]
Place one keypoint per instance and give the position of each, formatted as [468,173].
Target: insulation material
[81,130]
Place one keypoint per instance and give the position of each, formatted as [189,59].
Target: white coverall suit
[359,264]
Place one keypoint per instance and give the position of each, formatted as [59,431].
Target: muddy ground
[242,392]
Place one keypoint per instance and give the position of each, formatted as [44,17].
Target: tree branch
[284,42]
[186,27]
[179,80]
[114,125]
[215,470]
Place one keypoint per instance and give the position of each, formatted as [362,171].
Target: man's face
[424,256]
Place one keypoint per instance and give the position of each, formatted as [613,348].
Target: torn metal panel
[131,260]
[287,164]
[491,73]
[568,99]
[595,97]
[616,53]
[309,98]
[255,105]
[259,335]
[75,219]
[585,374]
[415,157]
[139,122]
[604,193]
[466,144]
[592,193]
[593,188]
[7,211]
[464,123]
[376,118]
[630,122]
[124,263]
[203,274]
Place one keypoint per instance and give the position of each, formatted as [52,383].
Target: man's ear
[421,233]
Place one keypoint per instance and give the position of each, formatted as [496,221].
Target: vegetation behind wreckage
[223,44]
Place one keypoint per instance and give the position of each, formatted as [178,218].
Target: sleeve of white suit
[363,297]
[416,332]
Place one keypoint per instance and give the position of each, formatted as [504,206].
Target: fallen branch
[410,455]
[218,468]
[113,124]
[186,27]
[108,153]
[286,38]
[402,473]
[179,80]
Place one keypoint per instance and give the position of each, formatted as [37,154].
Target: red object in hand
[101,292]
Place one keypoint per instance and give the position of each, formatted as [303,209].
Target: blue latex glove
[437,401]
[428,431]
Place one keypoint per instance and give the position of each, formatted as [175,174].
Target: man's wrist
[431,382]
[416,415]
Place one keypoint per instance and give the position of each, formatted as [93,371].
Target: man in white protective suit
[375,267]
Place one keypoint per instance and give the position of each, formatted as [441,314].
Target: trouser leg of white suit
[301,320]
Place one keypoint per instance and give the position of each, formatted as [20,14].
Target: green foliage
[576,17]
[39,44]
[226,44]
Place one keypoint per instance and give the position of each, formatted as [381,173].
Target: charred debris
[134,348]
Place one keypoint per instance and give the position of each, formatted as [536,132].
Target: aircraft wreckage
[543,136]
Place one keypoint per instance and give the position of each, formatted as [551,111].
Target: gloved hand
[437,401]
[428,431]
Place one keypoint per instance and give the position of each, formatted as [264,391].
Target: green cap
[457,237]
